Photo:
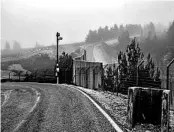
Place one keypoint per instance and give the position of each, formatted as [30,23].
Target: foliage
[65,61]
[66,68]
[149,30]
[16,45]
[105,33]
[123,40]
[36,62]
[170,35]
[16,68]
[7,46]
[37,45]
[109,80]
[158,46]
[128,62]
[133,29]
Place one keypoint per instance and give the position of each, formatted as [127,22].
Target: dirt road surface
[62,109]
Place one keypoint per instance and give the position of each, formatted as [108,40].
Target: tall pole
[57,47]
[57,65]
[137,80]
[168,66]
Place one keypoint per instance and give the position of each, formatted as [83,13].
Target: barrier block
[148,106]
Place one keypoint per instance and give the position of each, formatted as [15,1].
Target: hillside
[104,53]
[27,53]
[45,57]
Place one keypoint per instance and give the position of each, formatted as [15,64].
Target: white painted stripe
[31,110]
[7,96]
[117,128]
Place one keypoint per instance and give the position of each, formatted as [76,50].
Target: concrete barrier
[149,106]
[87,74]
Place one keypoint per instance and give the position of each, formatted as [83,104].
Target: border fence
[90,75]
[141,78]
[40,75]
[163,69]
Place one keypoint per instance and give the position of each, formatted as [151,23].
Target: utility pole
[168,66]
[57,64]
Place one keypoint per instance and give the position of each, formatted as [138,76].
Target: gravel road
[63,109]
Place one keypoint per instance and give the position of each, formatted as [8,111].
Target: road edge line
[116,127]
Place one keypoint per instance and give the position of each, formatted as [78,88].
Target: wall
[87,74]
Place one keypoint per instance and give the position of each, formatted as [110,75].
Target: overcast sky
[28,21]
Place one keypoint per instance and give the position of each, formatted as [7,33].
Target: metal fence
[12,76]
[41,75]
[141,78]
[163,69]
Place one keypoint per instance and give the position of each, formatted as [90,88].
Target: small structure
[87,74]
[148,105]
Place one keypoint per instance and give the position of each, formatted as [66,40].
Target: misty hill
[45,57]
[27,53]
[104,53]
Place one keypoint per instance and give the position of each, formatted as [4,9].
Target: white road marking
[6,96]
[31,110]
[117,128]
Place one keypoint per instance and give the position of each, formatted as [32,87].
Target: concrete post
[148,105]
[168,66]
[165,110]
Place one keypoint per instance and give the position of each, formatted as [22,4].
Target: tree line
[115,31]
[149,40]
[161,45]
[16,46]
[148,71]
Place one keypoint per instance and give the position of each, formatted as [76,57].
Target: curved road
[62,109]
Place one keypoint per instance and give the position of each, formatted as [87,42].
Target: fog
[32,21]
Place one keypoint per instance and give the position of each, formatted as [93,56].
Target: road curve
[63,109]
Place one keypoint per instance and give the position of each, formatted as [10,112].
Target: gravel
[116,105]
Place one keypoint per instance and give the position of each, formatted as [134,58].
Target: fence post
[35,75]
[168,66]
[65,75]
[44,74]
[117,79]
[19,75]
[26,76]
[137,80]
[9,75]
[45,71]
